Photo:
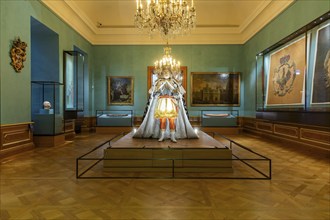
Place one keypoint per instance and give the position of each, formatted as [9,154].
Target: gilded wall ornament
[18,54]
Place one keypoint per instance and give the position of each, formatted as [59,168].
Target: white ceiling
[218,21]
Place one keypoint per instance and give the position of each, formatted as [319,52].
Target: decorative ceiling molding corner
[266,16]
[65,13]
[81,14]
[250,19]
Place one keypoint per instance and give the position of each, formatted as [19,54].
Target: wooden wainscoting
[15,138]
[315,136]
[88,123]
[69,129]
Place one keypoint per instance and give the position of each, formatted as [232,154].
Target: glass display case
[73,76]
[73,81]
[221,118]
[293,76]
[114,118]
[46,108]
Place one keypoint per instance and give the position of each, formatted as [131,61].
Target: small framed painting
[120,90]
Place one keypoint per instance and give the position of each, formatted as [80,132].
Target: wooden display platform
[113,130]
[205,154]
[222,130]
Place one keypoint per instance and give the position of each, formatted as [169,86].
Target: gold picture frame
[120,90]
[215,89]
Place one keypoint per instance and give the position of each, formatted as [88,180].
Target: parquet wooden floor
[41,184]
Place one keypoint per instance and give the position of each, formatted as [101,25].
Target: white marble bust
[46,105]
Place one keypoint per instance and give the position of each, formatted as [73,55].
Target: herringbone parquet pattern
[41,184]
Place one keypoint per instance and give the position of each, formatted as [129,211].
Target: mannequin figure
[166,105]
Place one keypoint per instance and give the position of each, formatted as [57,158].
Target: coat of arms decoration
[18,54]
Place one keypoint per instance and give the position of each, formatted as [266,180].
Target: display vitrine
[219,118]
[293,76]
[73,83]
[114,118]
[46,108]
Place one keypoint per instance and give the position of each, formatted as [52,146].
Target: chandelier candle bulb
[148,4]
[167,64]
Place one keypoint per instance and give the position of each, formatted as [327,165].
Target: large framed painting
[153,77]
[321,74]
[215,89]
[120,90]
[286,75]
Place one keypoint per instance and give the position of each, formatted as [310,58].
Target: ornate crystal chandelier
[167,63]
[169,17]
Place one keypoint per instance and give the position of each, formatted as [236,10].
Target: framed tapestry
[215,89]
[152,77]
[321,71]
[286,75]
[120,90]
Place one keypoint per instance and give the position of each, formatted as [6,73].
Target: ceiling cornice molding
[253,15]
[70,13]
[82,15]
[141,39]
[267,15]
[66,13]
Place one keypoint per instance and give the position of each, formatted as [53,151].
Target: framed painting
[215,89]
[286,75]
[152,77]
[120,90]
[321,74]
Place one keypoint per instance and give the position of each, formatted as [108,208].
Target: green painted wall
[16,87]
[134,60]
[296,16]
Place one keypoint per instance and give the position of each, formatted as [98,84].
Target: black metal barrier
[239,152]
